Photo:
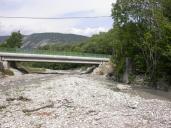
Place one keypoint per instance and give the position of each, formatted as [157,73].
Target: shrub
[7,72]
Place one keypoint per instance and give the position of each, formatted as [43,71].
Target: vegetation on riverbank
[142,32]
[7,72]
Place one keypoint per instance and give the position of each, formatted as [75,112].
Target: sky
[55,8]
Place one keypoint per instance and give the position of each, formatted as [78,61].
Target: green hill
[42,39]
[3,38]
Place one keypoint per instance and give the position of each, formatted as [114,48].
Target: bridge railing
[52,52]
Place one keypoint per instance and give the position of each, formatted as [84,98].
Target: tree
[141,29]
[100,44]
[14,41]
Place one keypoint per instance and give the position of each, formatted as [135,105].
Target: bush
[54,66]
[7,72]
[131,78]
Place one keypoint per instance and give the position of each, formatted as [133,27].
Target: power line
[54,18]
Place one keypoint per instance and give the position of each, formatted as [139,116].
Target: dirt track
[73,101]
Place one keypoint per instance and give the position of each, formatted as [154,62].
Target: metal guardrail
[50,52]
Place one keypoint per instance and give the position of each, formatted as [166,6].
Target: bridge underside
[52,61]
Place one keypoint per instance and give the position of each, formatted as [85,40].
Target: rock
[104,69]
[123,87]
[79,101]
[139,80]
[162,84]
[16,72]
[89,70]
[133,105]
[2,107]
[20,98]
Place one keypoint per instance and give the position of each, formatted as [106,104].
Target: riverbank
[84,101]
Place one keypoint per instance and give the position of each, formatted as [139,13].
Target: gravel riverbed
[76,101]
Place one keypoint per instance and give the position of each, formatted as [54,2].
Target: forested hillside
[100,44]
[41,39]
[3,38]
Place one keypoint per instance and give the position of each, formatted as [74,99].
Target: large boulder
[163,85]
[89,70]
[123,87]
[105,69]
[16,72]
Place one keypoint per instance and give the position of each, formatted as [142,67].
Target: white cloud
[51,8]
[28,27]
[88,31]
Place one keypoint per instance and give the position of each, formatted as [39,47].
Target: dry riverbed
[78,101]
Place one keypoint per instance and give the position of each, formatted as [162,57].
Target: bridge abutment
[4,65]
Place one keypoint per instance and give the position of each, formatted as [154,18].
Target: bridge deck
[52,52]
[66,58]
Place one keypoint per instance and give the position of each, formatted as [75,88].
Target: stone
[123,87]
[164,85]
[104,69]
[89,70]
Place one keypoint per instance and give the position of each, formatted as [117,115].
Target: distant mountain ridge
[41,39]
[3,38]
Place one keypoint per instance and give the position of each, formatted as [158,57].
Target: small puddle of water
[146,93]
[151,94]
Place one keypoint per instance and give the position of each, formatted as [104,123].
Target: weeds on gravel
[28,114]
[20,98]
[2,107]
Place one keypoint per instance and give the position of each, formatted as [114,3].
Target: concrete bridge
[6,57]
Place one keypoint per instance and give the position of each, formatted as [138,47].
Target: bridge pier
[4,65]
